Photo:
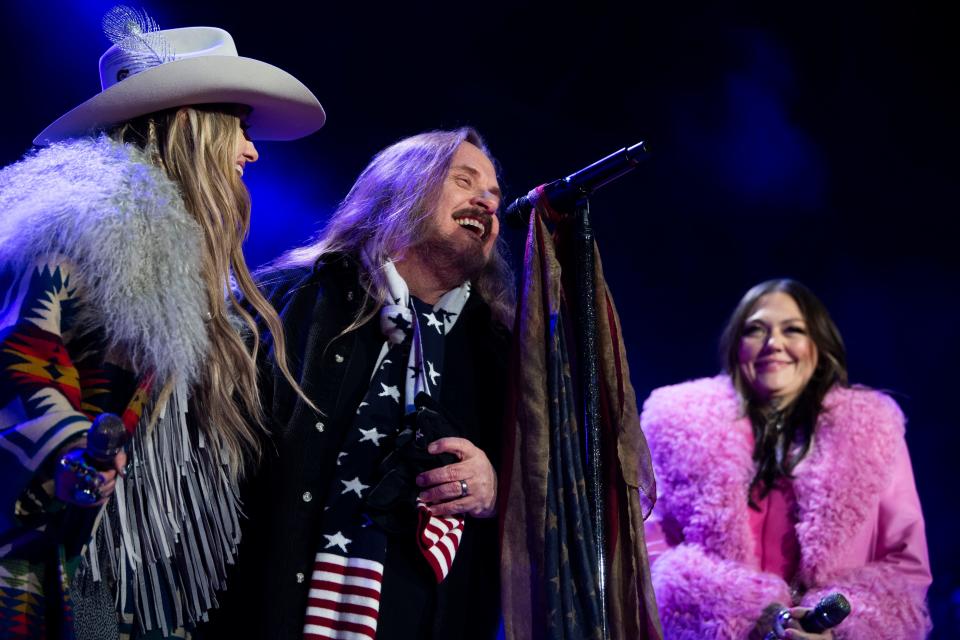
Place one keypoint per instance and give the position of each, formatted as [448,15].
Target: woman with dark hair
[120,248]
[780,484]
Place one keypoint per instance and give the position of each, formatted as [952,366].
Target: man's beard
[453,262]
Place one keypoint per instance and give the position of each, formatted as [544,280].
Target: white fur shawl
[134,249]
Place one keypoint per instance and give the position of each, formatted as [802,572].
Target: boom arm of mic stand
[563,194]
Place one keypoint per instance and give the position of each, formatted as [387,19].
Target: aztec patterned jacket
[859,522]
[99,295]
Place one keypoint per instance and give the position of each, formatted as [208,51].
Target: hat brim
[282,108]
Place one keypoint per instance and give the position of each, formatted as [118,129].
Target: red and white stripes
[439,539]
[344,600]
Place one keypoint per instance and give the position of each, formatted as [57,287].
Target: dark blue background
[791,139]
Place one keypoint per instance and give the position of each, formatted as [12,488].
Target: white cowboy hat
[201,66]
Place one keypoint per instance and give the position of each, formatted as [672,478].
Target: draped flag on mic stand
[548,568]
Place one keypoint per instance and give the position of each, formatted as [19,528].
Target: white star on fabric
[385,362]
[432,321]
[391,391]
[337,540]
[340,455]
[361,406]
[433,373]
[354,485]
[372,435]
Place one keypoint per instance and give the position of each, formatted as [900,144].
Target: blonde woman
[121,248]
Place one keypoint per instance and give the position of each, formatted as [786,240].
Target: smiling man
[372,513]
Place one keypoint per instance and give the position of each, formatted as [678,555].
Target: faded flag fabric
[548,568]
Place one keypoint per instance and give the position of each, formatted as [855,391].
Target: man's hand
[67,481]
[444,486]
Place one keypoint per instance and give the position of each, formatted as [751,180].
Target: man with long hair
[374,516]
[120,242]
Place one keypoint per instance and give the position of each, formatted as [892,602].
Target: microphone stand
[590,388]
[571,196]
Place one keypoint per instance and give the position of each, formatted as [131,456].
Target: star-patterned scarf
[344,598]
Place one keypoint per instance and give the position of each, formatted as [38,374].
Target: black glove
[393,501]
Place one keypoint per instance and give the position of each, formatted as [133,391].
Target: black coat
[284,498]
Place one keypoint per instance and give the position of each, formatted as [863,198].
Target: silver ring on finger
[464,490]
[780,622]
[87,480]
[88,488]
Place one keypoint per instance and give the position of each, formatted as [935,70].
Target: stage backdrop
[815,142]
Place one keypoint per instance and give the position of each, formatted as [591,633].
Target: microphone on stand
[565,192]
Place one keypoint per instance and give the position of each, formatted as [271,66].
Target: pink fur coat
[859,523]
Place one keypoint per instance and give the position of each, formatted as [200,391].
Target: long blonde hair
[197,147]
[388,210]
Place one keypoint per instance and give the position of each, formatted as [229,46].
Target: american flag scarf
[344,597]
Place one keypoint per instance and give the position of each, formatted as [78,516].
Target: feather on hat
[148,69]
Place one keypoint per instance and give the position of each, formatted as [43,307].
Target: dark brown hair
[799,418]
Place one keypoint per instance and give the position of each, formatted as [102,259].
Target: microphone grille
[106,437]
[835,608]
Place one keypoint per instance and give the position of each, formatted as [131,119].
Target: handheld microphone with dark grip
[828,613]
[105,438]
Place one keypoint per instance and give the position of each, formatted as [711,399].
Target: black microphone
[105,438]
[562,194]
[828,613]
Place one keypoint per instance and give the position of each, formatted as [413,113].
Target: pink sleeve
[659,536]
[888,595]
[902,541]
[702,596]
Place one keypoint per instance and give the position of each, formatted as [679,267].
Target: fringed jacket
[859,522]
[100,293]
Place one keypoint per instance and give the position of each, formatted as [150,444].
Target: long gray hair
[388,210]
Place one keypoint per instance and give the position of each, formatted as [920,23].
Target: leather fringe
[166,538]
